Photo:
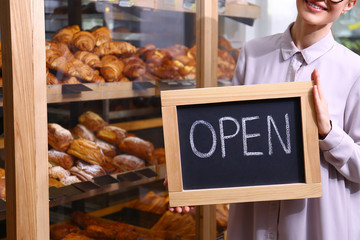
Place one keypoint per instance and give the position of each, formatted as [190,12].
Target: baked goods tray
[105,184]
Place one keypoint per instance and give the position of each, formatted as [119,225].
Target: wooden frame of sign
[184,192]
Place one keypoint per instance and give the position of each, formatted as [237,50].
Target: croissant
[50,78]
[1,81]
[97,77]
[177,50]
[156,56]
[115,48]
[88,58]
[134,67]
[65,34]
[140,52]
[0,61]
[102,35]
[70,80]
[226,64]
[83,40]
[112,68]
[60,47]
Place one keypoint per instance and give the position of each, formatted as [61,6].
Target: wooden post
[25,119]
[206,42]
[206,76]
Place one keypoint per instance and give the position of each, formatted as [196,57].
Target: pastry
[58,137]
[2,189]
[65,34]
[59,231]
[111,68]
[98,78]
[55,183]
[2,173]
[70,80]
[92,170]
[224,44]
[112,134]
[82,220]
[83,176]
[83,41]
[77,236]
[92,121]
[158,156]
[226,64]
[86,150]
[134,67]
[61,158]
[108,149]
[102,35]
[88,58]
[70,180]
[80,131]
[114,48]
[58,172]
[128,162]
[51,78]
[177,50]
[138,147]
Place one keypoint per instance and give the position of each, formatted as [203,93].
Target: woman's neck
[305,35]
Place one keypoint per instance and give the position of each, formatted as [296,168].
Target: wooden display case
[25,99]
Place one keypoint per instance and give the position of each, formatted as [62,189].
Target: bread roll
[112,134]
[138,147]
[58,137]
[80,131]
[86,150]
[92,121]
[61,158]
[128,162]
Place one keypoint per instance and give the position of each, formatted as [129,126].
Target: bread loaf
[61,158]
[112,134]
[58,137]
[128,162]
[138,147]
[92,121]
[86,150]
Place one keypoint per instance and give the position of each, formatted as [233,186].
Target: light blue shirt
[336,215]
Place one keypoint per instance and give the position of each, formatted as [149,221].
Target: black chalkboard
[241,143]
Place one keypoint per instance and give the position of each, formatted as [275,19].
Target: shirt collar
[310,54]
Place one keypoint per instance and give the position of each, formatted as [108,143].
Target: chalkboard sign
[244,143]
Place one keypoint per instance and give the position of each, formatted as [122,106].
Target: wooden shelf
[231,10]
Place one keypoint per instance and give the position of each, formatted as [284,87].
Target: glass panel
[107,61]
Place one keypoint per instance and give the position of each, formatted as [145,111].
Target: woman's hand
[178,209]
[321,106]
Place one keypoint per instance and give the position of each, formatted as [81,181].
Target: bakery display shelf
[248,10]
[105,184]
[186,84]
[52,17]
[99,91]
[101,185]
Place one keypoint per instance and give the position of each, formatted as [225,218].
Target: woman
[307,50]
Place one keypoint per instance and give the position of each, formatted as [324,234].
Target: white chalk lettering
[213,133]
[271,122]
[247,136]
[222,136]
